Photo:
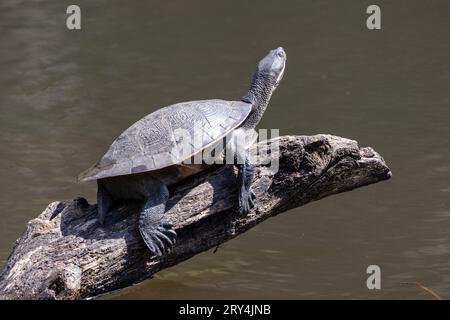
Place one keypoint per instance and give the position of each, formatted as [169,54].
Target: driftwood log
[70,256]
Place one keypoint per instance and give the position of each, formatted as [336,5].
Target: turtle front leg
[246,171]
[156,231]
[104,201]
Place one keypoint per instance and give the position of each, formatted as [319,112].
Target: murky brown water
[64,97]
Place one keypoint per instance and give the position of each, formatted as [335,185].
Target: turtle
[147,158]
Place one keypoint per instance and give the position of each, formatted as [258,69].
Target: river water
[65,96]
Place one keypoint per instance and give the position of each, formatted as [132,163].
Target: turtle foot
[158,233]
[246,200]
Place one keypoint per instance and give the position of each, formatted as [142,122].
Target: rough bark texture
[72,257]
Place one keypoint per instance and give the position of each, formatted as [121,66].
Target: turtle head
[268,74]
[272,66]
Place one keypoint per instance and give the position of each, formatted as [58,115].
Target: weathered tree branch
[73,257]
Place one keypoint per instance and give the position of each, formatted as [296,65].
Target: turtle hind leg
[247,197]
[155,229]
[104,201]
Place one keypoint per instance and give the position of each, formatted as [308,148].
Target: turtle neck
[261,89]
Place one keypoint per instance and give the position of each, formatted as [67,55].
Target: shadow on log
[72,257]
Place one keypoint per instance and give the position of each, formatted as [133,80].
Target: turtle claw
[246,201]
[158,234]
[168,241]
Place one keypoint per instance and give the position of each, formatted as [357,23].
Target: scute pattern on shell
[169,136]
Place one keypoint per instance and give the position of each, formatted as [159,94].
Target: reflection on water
[64,96]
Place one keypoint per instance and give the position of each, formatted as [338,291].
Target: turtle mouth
[280,76]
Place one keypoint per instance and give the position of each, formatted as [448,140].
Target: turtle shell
[169,136]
